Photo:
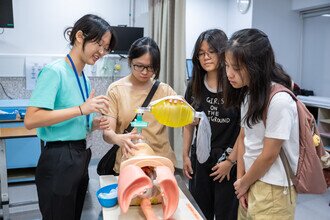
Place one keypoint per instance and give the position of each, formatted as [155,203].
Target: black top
[225,123]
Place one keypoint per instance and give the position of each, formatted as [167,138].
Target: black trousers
[214,199]
[62,179]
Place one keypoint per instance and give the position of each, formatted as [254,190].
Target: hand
[101,123]
[176,101]
[187,168]
[196,121]
[240,188]
[99,104]
[243,201]
[221,170]
[126,144]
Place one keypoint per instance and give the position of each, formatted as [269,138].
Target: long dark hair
[93,28]
[142,46]
[253,52]
[217,41]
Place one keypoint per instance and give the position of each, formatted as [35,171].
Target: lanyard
[80,87]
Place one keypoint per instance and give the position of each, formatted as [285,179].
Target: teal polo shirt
[57,88]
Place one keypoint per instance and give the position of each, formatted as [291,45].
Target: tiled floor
[309,207]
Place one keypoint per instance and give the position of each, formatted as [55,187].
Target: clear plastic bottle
[172,111]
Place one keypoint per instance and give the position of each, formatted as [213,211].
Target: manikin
[148,179]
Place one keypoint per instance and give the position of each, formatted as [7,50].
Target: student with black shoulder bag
[107,162]
[128,93]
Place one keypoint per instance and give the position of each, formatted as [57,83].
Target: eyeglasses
[210,54]
[102,48]
[140,68]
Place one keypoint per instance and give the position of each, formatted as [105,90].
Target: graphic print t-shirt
[225,123]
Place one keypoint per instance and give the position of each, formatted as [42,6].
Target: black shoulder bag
[107,162]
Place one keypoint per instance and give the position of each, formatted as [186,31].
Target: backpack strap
[288,170]
[275,89]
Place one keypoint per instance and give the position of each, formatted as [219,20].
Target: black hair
[253,52]
[142,46]
[93,28]
[217,41]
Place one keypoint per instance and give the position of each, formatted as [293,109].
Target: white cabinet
[324,125]
[320,107]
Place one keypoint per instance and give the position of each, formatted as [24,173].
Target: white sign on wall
[33,66]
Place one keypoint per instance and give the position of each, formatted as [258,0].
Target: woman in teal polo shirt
[60,108]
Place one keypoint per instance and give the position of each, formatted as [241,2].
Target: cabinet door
[22,152]
[324,125]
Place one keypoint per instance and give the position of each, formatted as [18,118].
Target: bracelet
[232,162]
[80,110]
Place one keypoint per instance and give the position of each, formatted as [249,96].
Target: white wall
[39,27]
[207,14]
[316,55]
[203,15]
[284,28]
[276,18]
[237,21]
[39,24]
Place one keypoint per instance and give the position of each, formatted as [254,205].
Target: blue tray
[10,114]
